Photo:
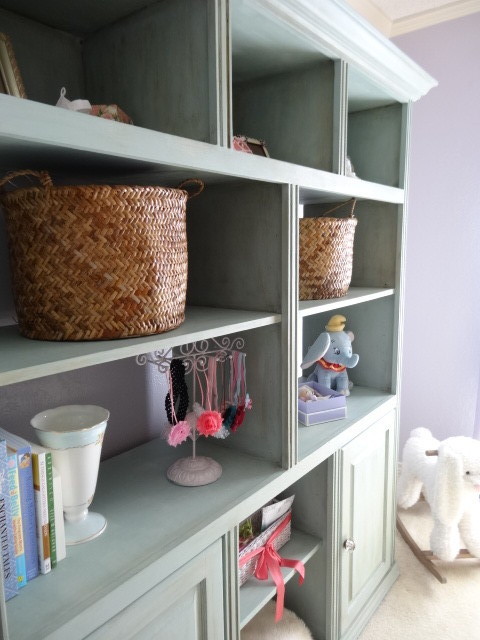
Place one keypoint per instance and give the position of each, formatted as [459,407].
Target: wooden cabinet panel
[186,606]
[367,516]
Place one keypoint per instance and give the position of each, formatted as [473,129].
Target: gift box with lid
[323,404]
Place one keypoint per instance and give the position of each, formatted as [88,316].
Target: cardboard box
[324,409]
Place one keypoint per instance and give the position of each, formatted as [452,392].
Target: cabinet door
[188,605]
[367,526]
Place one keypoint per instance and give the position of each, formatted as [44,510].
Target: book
[51,509]
[51,543]
[39,463]
[16,510]
[61,545]
[54,505]
[27,499]
[56,523]
[27,502]
[10,585]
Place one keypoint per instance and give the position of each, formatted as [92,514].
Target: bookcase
[317,83]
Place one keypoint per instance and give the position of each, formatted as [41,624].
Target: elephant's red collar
[331,365]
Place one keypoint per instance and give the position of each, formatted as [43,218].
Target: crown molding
[429,18]
[337,30]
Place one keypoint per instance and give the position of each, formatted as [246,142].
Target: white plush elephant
[450,483]
[332,353]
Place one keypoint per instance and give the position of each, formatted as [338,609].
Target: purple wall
[441,373]
[134,395]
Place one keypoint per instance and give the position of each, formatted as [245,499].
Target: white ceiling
[395,9]
[394,17]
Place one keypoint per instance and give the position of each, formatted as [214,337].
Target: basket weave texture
[246,570]
[326,255]
[96,261]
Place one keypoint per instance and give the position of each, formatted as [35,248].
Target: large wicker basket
[96,261]
[326,255]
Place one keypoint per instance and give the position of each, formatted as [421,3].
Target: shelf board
[265,32]
[254,594]
[363,93]
[154,526]
[360,189]
[355,295]
[262,47]
[309,28]
[63,142]
[24,359]
[364,406]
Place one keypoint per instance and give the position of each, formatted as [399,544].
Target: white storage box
[323,409]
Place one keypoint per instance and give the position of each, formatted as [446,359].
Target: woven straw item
[326,255]
[97,261]
[247,569]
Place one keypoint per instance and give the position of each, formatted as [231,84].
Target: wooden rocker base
[426,557]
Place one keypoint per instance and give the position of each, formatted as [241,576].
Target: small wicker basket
[247,569]
[326,255]
[96,262]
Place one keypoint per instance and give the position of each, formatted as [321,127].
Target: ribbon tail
[277,577]
[294,564]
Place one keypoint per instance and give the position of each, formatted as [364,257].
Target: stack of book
[31,516]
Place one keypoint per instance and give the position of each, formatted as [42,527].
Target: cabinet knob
[349,544]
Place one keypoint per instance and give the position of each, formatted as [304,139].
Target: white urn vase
[74,435]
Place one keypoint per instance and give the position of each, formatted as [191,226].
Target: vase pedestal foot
[194,471]
[84,530]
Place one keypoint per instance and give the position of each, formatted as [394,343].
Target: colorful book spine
[6,529]
[51,510]
[41,507]
[27,501]
[16,510]
[61,546]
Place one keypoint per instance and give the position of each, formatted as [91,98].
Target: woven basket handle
[352,201]
[43,176]
[192,181]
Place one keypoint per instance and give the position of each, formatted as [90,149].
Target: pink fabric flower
[209,423]
[110,112]
[240,144]
[178,433]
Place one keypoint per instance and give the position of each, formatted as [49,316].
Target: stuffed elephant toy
[450,482]
[332,353]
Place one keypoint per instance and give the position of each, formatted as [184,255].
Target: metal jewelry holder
[194,471]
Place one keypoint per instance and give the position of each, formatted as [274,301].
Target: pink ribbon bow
[270,562]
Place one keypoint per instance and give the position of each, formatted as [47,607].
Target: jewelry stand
[194,471]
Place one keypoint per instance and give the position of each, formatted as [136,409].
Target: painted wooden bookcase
[318,84]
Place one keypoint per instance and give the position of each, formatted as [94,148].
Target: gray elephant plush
[332,351]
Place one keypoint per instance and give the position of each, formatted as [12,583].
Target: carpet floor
[419,607]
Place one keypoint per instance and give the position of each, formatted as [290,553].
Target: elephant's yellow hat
[336,323]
